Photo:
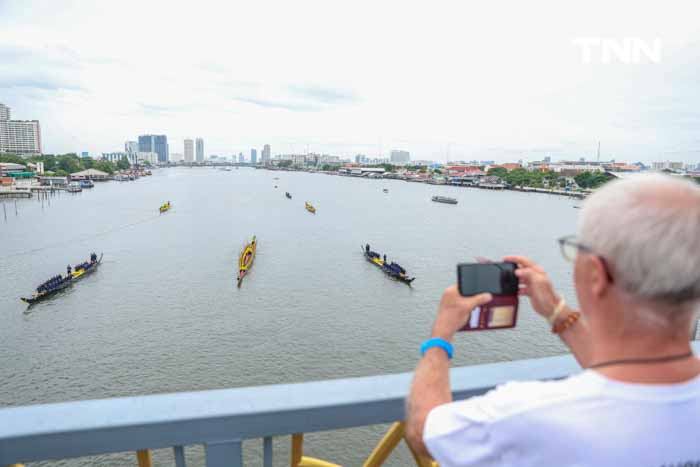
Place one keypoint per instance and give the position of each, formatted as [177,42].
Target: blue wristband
[437,342]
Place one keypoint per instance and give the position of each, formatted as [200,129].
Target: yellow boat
[165,207]
[310,208]
[245,260]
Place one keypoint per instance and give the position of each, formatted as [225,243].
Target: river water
[163,314]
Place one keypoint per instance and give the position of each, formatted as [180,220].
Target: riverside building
[18,136]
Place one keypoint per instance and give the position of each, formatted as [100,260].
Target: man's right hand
[535,284]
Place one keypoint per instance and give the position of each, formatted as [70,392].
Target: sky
[484,80]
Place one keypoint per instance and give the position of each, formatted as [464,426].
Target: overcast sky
[475,80]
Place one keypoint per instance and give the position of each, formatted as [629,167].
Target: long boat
[444,199]
[310,208]
[390,269]
[165,207]
[60,282]
[245,260]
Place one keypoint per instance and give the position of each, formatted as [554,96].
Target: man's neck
[628,347]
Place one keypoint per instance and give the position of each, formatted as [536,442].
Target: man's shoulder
[521,396]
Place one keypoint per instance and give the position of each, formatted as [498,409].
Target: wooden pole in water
[16,208]
[4,210]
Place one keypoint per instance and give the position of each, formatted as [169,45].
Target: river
[163,313]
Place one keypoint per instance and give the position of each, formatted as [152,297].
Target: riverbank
[459,183]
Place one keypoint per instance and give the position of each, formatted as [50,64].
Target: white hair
[647,228]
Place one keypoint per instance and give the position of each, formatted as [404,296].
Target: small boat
[385,190]
[444,199]
[74,187]
[275,186]
[286,193]
[310,208]
[60,282]
[165,207]
[245,260]
[391,269]
[86,184]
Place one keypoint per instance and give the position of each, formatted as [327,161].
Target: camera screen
[494,278]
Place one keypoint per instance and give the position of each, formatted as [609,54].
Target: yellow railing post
[144,458]
[297,449]
[300,460]
[387,445]
[390,440]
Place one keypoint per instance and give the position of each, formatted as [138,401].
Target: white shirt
[584,420]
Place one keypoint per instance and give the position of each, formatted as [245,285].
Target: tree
[104,166]
[284,164]
[498,172]
[591,179]
[12,158]
[123,164]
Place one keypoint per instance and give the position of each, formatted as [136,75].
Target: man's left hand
[454,312]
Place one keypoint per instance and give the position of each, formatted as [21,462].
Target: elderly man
[637,401]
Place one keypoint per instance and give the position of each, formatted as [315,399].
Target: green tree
[12,158]
[104,166]
[123,164]
[498,172]
[592,179]
[285,164]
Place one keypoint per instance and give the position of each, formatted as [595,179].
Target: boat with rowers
[391,269]
[59,282]
[246,258]
[165,207]
[310,208]
[286,193]
[444,199]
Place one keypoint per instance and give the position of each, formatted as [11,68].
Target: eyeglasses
[570,247]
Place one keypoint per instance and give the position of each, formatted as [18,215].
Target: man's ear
[600,281]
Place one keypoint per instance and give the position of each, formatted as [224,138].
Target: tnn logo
[627,50]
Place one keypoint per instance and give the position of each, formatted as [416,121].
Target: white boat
[74,187]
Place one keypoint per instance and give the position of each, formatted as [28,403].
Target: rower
[384,259]
[367,248]
[68,270]
[93,257]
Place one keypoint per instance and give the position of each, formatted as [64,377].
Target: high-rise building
[400,157]
[189,150]
[176,157]
[131,147]
[253,156]
[241,159]
[265,156]
[200,149]
[157,144]
[117,156]
[18,136]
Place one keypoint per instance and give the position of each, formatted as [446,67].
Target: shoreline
[496,187]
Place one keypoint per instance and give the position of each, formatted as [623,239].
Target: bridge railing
[221,419]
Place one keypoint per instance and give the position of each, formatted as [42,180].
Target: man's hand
[535,284]
[454,312]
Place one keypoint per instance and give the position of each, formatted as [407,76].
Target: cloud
[323,95]
[38,68]
[39,83]
[299,98]
[161,109]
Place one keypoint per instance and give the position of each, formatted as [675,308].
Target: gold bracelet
[557,309]
[564,325]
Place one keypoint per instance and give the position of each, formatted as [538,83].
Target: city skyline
[447,94]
